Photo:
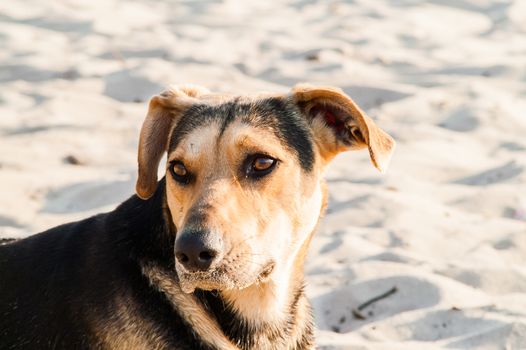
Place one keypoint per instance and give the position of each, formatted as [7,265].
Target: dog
[210,256]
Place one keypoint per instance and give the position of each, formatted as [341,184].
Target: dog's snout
[197,250]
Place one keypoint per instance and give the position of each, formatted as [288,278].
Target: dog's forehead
[206,124]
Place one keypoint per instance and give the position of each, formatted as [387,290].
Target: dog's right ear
[340,125]
[163,113]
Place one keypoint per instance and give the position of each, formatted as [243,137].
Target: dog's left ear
[340,125]
[163,113]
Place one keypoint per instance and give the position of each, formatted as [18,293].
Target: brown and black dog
[209,257]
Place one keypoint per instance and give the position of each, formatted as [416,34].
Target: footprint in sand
[447,324]
[338,305]
[492,176]
[86,196]
[126,86]
[462,120]
[8,221]
[369,96]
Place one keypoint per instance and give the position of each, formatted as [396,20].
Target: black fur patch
[275,114]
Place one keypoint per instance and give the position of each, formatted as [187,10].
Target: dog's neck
[271,315]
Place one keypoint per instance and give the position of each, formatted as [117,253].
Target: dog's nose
[197,250]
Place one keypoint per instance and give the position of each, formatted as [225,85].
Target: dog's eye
[179,169]
[179,172]
[260,165]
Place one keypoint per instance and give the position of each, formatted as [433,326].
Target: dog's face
[244,176]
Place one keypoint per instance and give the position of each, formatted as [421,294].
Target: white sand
[446,225]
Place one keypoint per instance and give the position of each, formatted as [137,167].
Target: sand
[446,225]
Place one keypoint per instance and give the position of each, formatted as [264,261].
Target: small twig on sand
[357,312]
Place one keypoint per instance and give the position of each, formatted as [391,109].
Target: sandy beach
[445,226]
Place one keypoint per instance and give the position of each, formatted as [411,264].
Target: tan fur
[231,209]
[303,316]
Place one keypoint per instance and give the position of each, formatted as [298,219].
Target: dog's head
[244,176]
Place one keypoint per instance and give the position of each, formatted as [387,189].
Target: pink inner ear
[333,121]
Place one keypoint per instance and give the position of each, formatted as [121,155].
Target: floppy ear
[340,125]
[163,113]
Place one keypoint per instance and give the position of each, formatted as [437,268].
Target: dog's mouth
[223,278]
[266,272]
